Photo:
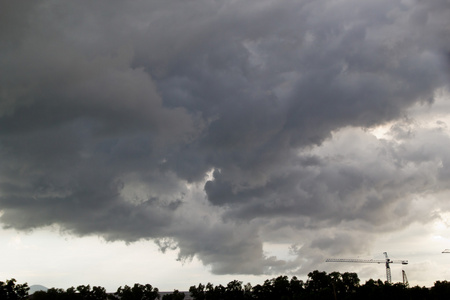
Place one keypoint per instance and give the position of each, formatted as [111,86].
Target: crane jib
[403,262]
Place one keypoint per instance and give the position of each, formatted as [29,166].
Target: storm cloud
[216,127]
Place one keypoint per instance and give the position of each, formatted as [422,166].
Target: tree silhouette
[440,290]
[9,290]
[319,285]
[138,292]
[176,295]
[197,292]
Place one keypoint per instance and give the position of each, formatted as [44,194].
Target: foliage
[319,285]
[440,290]
[176,295]
[9,290]
[138,292]
[82,292]
[234,290]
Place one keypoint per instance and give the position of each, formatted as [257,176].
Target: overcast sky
[179,142]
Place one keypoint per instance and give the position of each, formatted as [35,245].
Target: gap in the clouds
[441,224]
[280,251]
[425,115]
[200,185]
[434,115]
[381,131]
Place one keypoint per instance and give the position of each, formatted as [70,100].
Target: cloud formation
[214,127]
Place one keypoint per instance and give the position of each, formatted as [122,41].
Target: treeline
[12,291]
[319,285]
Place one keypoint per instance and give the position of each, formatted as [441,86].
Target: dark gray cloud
[113,115]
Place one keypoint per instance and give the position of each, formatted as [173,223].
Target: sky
[184,142]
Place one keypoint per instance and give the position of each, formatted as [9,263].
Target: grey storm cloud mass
[213,127]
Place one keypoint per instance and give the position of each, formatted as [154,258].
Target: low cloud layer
[215,128]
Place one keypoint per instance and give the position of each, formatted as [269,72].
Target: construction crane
[386,261]
[405,279]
